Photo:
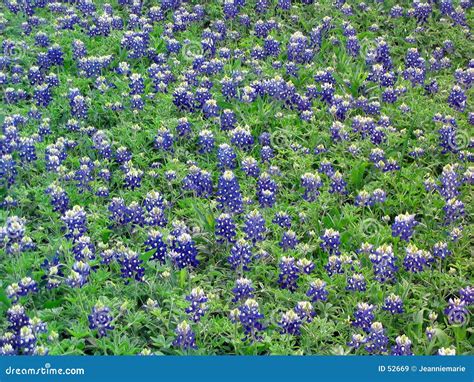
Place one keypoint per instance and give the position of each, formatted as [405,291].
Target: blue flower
[356,283]
[243,290]
[289,274]
[240,255]
[288,240]
[229,196]
[402,347]
[198,306]
[377,341]
[250,318]
[393,304]
[383,261]
[456,311]
[101,319]
[363,316]
[403,226]
[317,291]
[290,323]
[225,228]
[183,251]
[155,243]
[185,337]
[331,240]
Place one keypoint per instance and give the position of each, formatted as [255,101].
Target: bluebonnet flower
[120,213]
[228,120]
[266,190]
[53,272]
[402,346]
[83,248]
[130,265]
[42,95]
[456,311]
[430,332]
[357,340]
[210,109]
[383,261]
[441,250]
[447,138]
[183,250]
[317,291]
[79,275]
[338,184]
[123,155]
[403,226]
[377,340]
[185,337]
[25,286]
[311,183]
[282,219]
[447,351]
[416,260]
[363,199]
[363,316]
[450,182]
[240,255]
[79,106]
[266,154]
[250,167]
[225,228]
[353,46]
[101,319]
[132,177]
[378,196]
[21,337]
[184,127]
[290,323]
[8,170]
[155,242]
[331,240]
[305,310]
[288,240]
[453,211]
[55,55]
[136,103]
[226,157]
[164,140]
[136,84]
[356,283]
[242,138]
[198,181]
[289,274]
[75,220]
[243,290]
[254,226]
[250,318]
[229,196]
[467,295]
[305,266]
[393,304]
[334,265]
[206,141]
[198,306]
[457,98]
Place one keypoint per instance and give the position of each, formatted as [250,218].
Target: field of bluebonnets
[237,177]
